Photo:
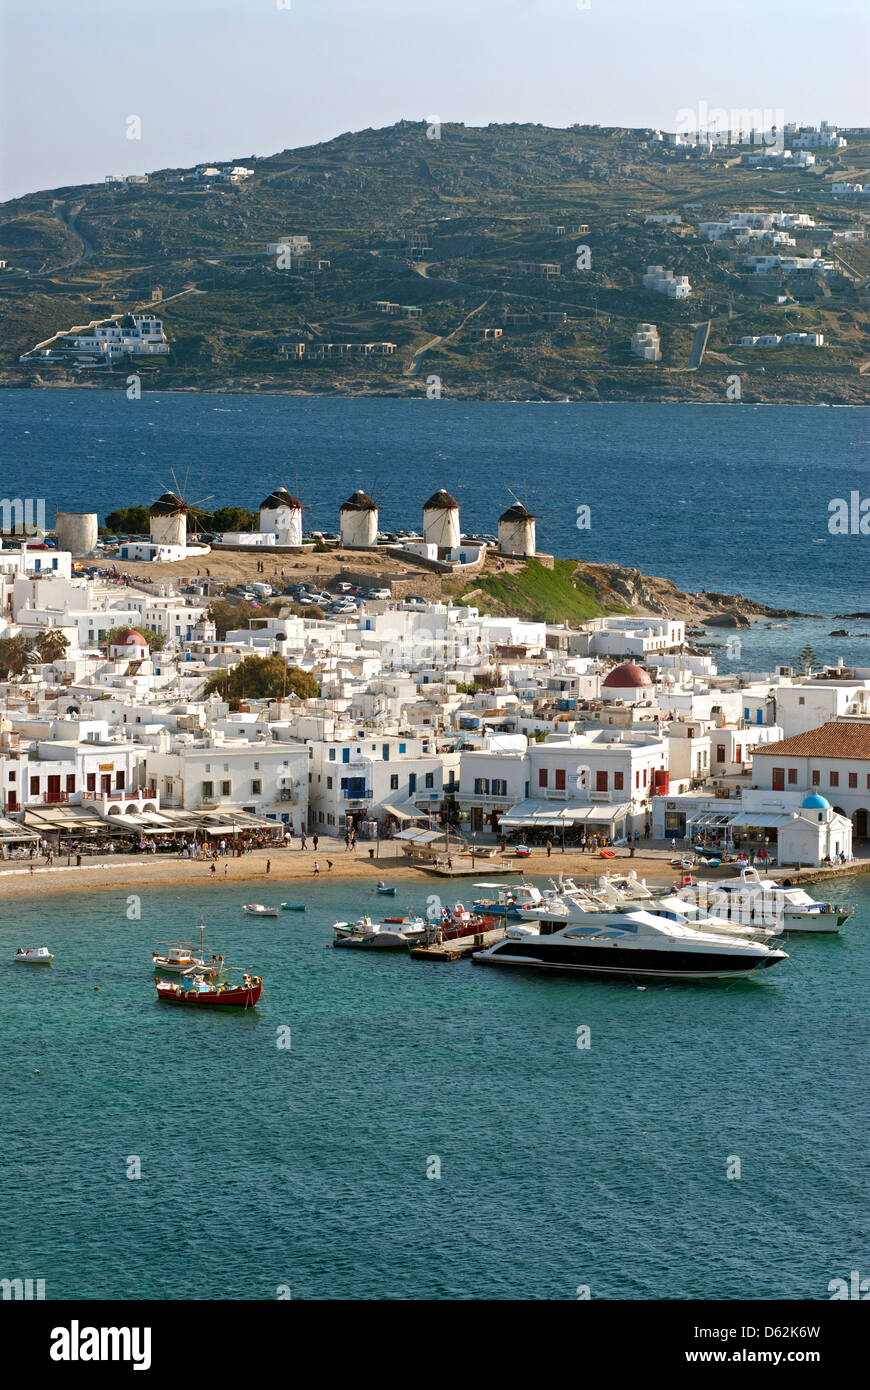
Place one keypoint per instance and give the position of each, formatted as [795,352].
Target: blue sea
[431,1131]
[732,498]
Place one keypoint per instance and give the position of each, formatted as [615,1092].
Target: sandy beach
[294,865]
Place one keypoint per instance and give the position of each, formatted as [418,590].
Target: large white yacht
[763,902]
[637,941]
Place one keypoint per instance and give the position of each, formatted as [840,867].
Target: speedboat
[629,941]
[258,910]
[511,899]
[36,955]
[764,902]
[393,934]
[199,991]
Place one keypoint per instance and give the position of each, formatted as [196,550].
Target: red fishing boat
[206,993]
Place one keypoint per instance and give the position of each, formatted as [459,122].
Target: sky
[214,80]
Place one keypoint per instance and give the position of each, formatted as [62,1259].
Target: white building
[833,760]
[665,282]
[645,342]
[263,777]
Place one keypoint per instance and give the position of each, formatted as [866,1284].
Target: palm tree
[15,657]
[51,646]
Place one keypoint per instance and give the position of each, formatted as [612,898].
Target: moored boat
[181,958]
[631,942]
[293,907]
[34,955]
[199,992]
[765,903]
[393,934]
[259,910]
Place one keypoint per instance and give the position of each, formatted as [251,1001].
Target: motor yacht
[764,902]
[628,941]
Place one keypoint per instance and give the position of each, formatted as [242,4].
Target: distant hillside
[444,233]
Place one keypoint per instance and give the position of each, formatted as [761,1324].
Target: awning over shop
[762,820]
[65,820]
[407,811]
[11,832]
[419,837]
[527,814]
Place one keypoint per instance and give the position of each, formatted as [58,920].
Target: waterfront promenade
[132,872]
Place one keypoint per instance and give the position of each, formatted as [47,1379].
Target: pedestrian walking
[268,866]
[549,848]
[316,867]
[314,839]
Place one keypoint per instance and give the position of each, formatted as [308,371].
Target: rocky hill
[503,262]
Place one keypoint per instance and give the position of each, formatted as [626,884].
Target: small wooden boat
[606,854]
[36,955]
[293,907]
[201,993]
[258,910]
[385,890]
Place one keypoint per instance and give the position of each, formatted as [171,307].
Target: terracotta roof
[835,740]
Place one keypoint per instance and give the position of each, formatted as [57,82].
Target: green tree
[235,519]
[51,645]
[262,678]
[16,657]
[807,659]
[133,521]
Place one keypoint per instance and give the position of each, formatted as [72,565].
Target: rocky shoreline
[650,596]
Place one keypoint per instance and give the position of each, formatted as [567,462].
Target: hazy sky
[223,79]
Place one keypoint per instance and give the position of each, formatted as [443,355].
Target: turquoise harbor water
[306,1167]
